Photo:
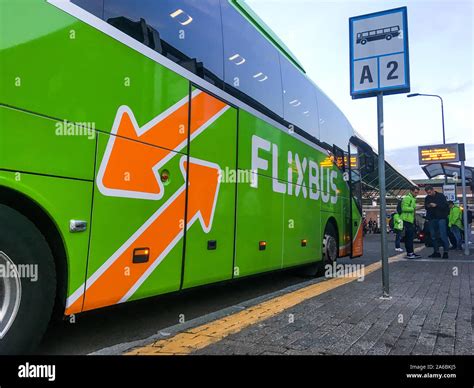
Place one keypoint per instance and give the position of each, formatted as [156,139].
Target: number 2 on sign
[394,66]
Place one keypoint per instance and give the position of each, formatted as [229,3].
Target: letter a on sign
[366,75]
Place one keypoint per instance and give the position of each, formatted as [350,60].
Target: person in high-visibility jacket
[408,206]
[398,229]
[455,223]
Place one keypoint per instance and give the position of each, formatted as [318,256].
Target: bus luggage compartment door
[210,214]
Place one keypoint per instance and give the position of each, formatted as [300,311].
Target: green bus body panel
[73,72]
[64,69]
[301,223]
[299,211]
[63,200]
[32,143]
[259,218]
[116,219]
[217,144]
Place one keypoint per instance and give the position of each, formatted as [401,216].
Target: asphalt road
[96,330]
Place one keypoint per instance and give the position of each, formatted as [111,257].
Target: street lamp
[442,108]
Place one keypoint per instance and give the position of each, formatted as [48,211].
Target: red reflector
[164,176]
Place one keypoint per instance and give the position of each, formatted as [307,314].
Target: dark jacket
[441,210]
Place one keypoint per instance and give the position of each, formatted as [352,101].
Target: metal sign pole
[383,205]
[379,63]
[464,204]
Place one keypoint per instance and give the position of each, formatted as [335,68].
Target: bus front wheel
[330,248]
[27,283]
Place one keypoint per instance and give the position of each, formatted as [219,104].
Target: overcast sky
[441,38]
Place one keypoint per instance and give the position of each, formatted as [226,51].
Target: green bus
[148,147]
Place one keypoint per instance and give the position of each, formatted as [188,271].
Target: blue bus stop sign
[379,53]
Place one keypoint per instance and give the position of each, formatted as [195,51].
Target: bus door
[345,231]
[355,203]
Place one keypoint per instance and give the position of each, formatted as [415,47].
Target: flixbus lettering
[321,181]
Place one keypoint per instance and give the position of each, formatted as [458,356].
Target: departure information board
[438,153]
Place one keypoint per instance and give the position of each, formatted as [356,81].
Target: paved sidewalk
[431,312]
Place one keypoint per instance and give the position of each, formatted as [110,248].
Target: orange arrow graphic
[130,169]
[116,280]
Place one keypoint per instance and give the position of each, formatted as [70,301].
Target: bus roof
[253,18]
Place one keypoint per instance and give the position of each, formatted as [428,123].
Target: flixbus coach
[148,147]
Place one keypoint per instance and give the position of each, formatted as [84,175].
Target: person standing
[397,229]
[455,223]
[408,206]
[437,211]
[469,227]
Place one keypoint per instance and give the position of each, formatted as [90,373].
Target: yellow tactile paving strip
[201,336]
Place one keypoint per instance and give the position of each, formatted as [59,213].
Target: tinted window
[95,7]
[186,31]
[299,98]
[251,63]
[334,127]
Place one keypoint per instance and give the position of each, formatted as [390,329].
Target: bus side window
[251,62]
[189,33]
[299,98]
[95,7]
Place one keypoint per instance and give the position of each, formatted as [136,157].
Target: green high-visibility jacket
[455,217]
[397,222]
[408,208]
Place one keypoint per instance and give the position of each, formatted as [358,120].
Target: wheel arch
[48,228]
[332,221]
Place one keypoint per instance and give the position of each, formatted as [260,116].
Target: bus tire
[26,301]
[330,248]
[329,254]
[312,270]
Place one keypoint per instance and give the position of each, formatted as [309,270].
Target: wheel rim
[10,293]
[330,248]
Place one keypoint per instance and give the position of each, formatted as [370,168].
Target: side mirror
[367,163]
